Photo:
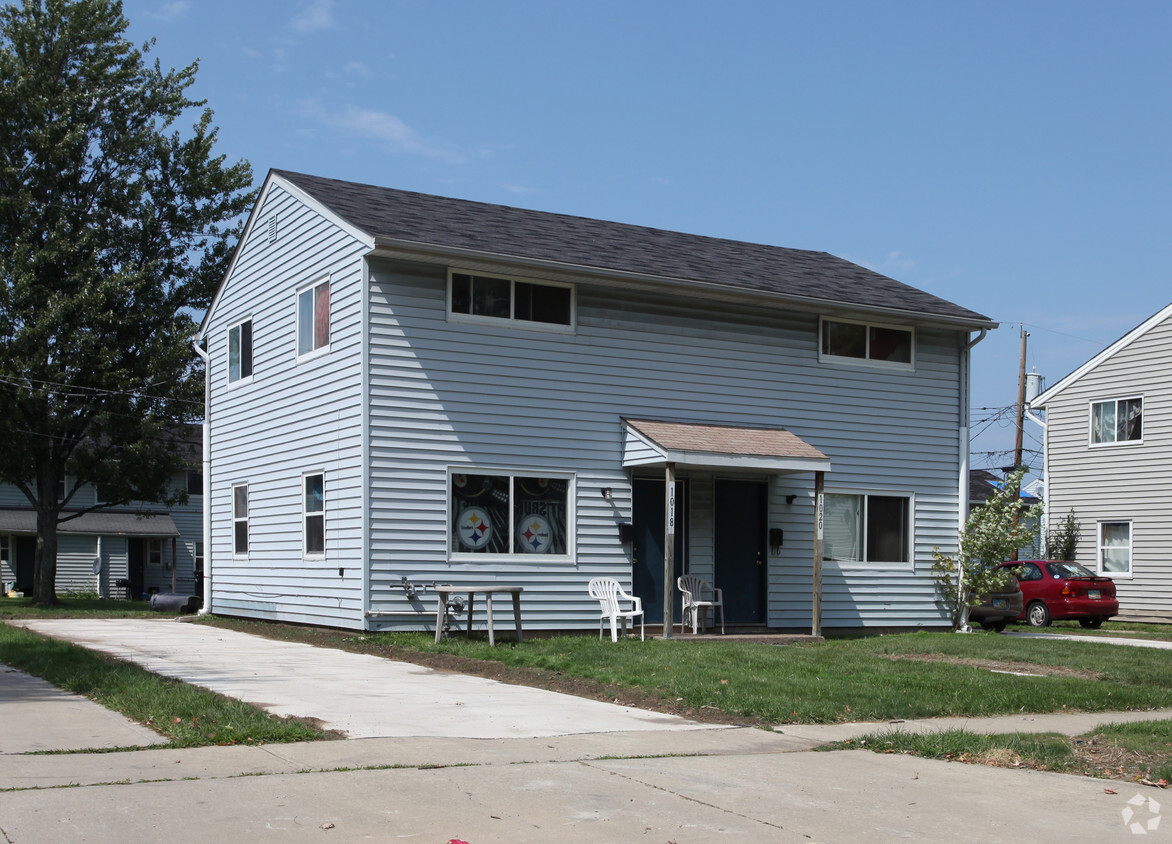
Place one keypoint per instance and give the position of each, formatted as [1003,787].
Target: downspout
[207,481]
[962,510]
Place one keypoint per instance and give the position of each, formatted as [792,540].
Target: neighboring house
[406,389]
[983,483]
[1108,452]
[151,547]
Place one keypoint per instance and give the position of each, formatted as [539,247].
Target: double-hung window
[500,513]
[483,297]
[1115,548]
[866,528]
[240,519]
[313,318]
[884,345]
[1117,421]
[240,351]
[314,511]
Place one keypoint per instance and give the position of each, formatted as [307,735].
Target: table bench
[443,590]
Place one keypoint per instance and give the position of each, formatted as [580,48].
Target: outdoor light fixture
[789,499]
[607,493]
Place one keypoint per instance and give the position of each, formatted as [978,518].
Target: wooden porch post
[174,561]
[816,614]
[669,547]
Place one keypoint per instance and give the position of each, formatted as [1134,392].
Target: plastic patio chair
[610,595]
[694,589]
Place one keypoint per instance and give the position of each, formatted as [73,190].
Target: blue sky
[1012,157]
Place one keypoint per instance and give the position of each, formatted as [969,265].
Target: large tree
[114,231]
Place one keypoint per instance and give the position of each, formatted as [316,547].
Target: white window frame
[511,320]
[1100,547]
[154,551]
[307,514]
[314,350]
[512,556]
[238,519]
[868,361]
[238,328]
[197,557]
[880,565]
[1114,443]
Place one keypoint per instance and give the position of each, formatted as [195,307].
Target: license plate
[1094,594]
[1000,603]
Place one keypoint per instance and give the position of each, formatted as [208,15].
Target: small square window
[195,483]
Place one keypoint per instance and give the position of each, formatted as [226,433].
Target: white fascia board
[1123,342]
[702,459]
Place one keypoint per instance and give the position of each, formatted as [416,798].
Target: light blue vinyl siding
[294,416]
[486,396]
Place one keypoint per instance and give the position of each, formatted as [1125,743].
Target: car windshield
[1068,570]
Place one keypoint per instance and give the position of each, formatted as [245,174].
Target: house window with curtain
[865,528]
[1115,549]
[314,504]
[1117,421]
[497,513]
[313,318]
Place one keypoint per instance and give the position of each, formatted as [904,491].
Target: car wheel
[1090,623]
[1037,615]
[995,626]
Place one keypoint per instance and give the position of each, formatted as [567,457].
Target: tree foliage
[114,229]
[992,534]
[1062,540]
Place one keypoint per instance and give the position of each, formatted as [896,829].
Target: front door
[26,563]
[647,574]
[740,569]
[136,566]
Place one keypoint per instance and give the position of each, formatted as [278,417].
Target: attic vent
[273,229]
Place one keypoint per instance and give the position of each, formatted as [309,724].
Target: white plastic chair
[610,595]
[694,588]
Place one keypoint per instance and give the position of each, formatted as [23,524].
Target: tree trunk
[45,559]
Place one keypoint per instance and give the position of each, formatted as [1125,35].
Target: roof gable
[1042,399]
[403,218]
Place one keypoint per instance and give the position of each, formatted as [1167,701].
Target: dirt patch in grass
[1002,665]
[554,681]
[1100,756]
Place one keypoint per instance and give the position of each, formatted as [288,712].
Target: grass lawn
[75,606]
[189,716]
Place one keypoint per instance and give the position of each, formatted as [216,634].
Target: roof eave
[392,247]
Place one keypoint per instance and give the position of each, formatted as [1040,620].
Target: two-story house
[406,389]
[1108,456]
[116,551]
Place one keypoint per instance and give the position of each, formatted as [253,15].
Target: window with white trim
[881,344]
[240,520]
[313,318]
[498,513]
[197,557]
[240,352]
[1115,548]
[155,552]
[866,528]
[314,512]
[1117,421]
[494,298]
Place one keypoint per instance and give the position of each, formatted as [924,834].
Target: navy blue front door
[740,569]
[648,516]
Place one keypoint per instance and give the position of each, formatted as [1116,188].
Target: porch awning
[100,523]
[654,443]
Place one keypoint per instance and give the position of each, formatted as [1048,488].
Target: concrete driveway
[362,696]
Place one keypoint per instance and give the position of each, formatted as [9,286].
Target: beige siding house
[1108,452]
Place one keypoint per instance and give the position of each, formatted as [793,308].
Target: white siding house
[115,551]
[406,389]
[1108,455]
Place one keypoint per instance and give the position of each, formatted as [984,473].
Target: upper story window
[1117,421]
[195,483]
[882,344]
[313,318]
[240,351]
[492,298]
[315,514]
[867,528]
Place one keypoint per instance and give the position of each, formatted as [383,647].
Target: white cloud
[381,127]
[356,69]
[169,12]
[315,17]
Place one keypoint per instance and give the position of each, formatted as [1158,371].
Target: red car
[1055,589]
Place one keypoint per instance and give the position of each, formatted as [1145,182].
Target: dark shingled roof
[395,215]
